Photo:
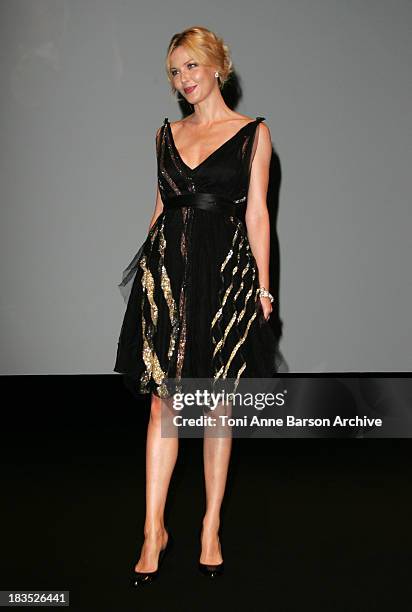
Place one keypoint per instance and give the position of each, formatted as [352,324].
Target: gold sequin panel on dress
[237,308]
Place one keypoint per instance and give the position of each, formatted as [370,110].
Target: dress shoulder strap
[254,141]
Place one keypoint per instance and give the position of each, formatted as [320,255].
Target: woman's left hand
[266,307]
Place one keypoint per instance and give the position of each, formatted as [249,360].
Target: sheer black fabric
[193,309]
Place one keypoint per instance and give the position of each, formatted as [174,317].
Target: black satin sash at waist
[205,201]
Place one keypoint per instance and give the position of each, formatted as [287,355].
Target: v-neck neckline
[213,152]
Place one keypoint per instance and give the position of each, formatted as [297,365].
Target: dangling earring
[216,74]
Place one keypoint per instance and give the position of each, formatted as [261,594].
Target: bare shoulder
[241,117]
[262,128]
[264,141]
[242,120]
[264,131]
[177,125]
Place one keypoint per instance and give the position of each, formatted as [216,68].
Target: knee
[160,409]
[156,408]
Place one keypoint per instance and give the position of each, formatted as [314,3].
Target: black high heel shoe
[207,569]
[141,578]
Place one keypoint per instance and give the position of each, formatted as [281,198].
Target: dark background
[306,523]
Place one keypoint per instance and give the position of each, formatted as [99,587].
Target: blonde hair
[206,47]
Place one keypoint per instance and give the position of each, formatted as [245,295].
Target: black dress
[193,308]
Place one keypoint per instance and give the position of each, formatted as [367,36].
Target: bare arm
[158,209]
[257,215]
[159,204]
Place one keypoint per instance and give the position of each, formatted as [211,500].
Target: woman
[199,305]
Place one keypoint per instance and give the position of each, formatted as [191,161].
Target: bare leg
[216,456]
[161,455]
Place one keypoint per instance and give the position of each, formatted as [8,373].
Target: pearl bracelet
[265,293]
